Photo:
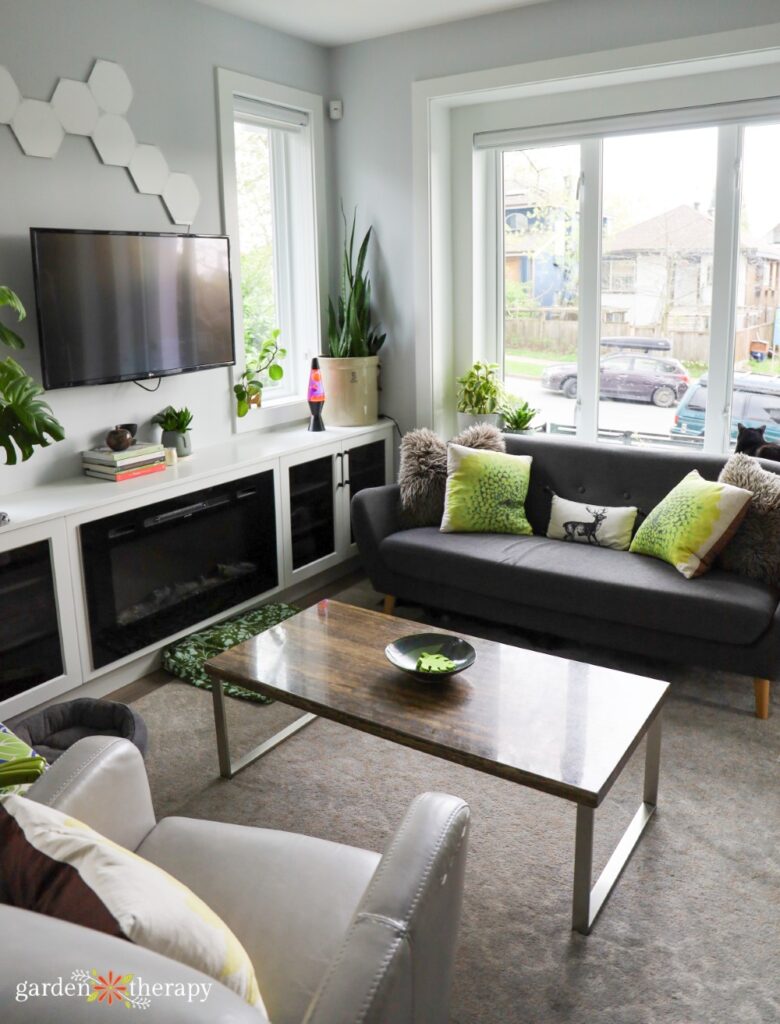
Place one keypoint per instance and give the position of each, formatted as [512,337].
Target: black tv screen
[118,306]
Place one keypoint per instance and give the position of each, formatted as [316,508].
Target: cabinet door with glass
[39,656]
[311,485]
[367,462]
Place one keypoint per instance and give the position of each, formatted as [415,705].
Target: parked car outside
[755,402]
[632,378]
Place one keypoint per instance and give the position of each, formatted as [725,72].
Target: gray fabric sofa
[584,593]
[336,934]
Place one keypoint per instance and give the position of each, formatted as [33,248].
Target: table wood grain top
[559,726]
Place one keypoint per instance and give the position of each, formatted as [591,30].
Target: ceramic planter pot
[467,419]
[181,442]
[351,391]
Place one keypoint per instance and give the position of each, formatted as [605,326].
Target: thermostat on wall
[336,110]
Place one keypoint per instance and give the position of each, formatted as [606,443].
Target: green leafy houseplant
[249,389]
[350,331]
[479,390]
[517,414]
[25,420]
[174,421]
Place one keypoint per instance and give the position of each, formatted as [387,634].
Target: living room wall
[373,144]
[169,49]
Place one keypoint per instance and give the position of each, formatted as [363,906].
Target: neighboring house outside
[539,249]
[658,274]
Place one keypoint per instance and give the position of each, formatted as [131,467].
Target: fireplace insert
[162,568]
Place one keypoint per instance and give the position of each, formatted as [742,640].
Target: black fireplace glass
[30,651]
[159,569]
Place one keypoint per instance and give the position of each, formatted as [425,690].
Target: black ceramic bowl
[404,653]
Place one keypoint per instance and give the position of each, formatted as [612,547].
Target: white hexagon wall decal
[10,97]
[37,128]
[182,198]
[114,140]
[149,170]
[75,106]
[111,87]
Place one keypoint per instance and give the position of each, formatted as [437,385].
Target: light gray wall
[373,143]
[169,49]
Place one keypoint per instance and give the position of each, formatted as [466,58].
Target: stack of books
[138,460]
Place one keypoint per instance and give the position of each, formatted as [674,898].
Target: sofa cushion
[583,580]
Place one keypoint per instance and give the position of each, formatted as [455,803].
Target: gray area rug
[691,935]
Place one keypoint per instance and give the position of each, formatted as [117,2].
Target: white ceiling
[333,22]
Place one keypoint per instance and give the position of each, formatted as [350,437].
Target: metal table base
[587,902]
[228,767]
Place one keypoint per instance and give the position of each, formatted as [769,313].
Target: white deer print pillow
[593,524]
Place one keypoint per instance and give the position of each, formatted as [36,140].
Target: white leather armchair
[337,934]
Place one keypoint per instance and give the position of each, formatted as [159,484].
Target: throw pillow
[755,549]
[20,765]
[52,864]
[591,524]
[692,524]
[486,492]
[422,477]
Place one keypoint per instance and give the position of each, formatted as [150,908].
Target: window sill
[276,413]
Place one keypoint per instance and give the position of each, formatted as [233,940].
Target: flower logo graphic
[111,989]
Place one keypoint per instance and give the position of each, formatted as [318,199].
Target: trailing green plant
[175,421]
[267,361]
[516,413]
[350,331]
[479,390]
[26,422]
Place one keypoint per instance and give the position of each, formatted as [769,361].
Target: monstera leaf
[25,420]
[12,300]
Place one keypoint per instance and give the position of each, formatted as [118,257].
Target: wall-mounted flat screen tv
[116,306]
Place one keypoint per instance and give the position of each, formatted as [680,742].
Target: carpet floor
[691,934]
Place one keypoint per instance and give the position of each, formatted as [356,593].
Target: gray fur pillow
[755,548]
[423,473]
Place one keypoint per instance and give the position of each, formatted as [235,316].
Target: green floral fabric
[20,765]
[186,658]
[692,524]
[486,492]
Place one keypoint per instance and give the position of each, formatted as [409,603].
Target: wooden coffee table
[559,726]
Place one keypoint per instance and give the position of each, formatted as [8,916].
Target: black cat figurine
[750,441]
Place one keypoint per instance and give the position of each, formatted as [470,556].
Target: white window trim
[274,412]
[449,112]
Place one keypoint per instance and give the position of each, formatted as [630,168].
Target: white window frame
[448,113]
[306,174]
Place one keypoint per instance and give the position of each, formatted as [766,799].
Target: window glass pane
[656,282]
[541,308]
[757,342]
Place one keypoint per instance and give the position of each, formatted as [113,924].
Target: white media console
[92,572]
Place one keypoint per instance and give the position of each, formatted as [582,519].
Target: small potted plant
[249,389]
[479,395]
[517,415]
[175,425]
[350,367]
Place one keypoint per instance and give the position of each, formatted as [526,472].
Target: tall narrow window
[272,164]
[656,281]
[756,393]
[541,252]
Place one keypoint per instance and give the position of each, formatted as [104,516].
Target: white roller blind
[256,112]
[656,120]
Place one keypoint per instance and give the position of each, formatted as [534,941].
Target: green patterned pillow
[486,492]
[20,765]
[693,524]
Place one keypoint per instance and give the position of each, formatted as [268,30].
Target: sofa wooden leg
[389,608]
[761,687]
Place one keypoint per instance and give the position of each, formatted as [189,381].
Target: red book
[143,471]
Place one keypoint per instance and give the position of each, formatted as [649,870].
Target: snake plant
[25,420]
[350,331]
